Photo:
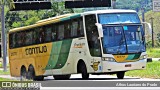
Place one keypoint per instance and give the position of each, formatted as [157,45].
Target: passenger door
[93,42]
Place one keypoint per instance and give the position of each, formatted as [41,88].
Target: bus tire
[62,77]
[31,74]
[23,74]
[83,71]
[120,75]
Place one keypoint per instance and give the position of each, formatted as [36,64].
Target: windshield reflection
[123,39]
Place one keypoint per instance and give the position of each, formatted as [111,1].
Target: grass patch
[4,73]
[153,52]
[0,64]
[152,71]
[5,79]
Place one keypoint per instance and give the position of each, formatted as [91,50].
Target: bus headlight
[108,59]
[143,57]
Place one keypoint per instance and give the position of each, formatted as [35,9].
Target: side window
[12,40]
[23,38]
[29,36]
[80,27]
[67,29]
[74,28]
[36,35]
[48,33]
[60,32]
[19,42]
[54,33]
[20,39]
[42,35]
[92,35]
[17,39]
[77,28]
[34,39]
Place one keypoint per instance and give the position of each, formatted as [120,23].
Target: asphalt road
[99,82]
[103,78]
[95,81]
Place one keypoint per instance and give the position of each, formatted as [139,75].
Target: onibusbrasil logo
[20,84]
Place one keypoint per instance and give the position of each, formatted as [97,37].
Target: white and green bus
[94,42]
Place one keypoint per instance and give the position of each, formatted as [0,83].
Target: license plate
[128,65]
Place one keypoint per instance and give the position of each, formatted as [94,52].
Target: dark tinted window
[92,35]
[48,33]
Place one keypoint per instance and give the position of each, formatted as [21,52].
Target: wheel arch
[23,67]
[31,67]
[80,61]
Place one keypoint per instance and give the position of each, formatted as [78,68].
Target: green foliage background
[152,71]
[23,18]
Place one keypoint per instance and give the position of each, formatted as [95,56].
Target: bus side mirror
[149,27]
[100,29]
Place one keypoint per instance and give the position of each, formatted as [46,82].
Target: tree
[59,8]
[9,3]
[158,37]
[4,43]
[134,4]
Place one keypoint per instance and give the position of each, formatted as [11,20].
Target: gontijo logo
[36,50]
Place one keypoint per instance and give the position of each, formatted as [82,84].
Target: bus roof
[67,17]
[109,11]
[47,21]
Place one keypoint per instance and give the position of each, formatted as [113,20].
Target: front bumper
[123,66]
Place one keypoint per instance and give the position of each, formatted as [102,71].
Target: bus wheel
[62,77]
[31,74]
[83,71]
[23,76]
[120,75]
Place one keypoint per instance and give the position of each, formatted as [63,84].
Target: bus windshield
[123,39]
[117,18]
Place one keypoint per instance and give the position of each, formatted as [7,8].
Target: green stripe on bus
[70,17]
[133,56]
[75,16]
[130,57]
[56,47]
[137,56]
[64,19]
[59,54]
[63,56]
